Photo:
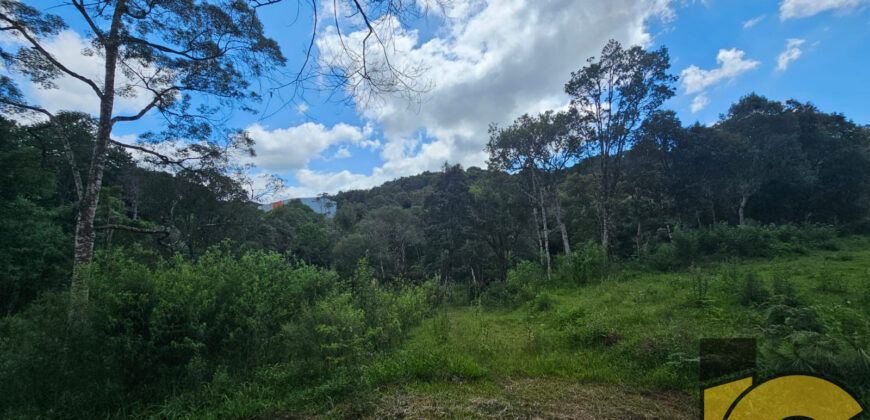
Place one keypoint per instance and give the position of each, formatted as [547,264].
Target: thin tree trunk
[85,233]
[638,238]
[538,232]
[546,236]
[740,211]
[562,229]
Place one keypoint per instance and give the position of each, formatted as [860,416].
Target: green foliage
[829,340]
[35,255]
[184,325]
[700,286]
[585,265]
[751,290]
[520,286]
[748,241]
[543,302]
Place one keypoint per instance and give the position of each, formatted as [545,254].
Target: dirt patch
[535,398]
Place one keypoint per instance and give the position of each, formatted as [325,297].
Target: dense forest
[600,243]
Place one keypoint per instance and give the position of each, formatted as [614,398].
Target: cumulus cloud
[491,62]
[700,102]
[71,94]
[792,9]
[697,80]
[792,52]
[731,64]
[752,22]
[286,150]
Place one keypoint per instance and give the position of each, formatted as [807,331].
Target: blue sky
[489,62]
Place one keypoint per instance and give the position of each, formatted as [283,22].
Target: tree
[391,234]
[447,219]
[538,148]
[500,225]
[838,161]
[649,173]
[771,152]
[173,53]
[613,96]
[32,255]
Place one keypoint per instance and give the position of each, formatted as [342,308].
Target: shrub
[664,258]
[585,264]
[520,286]
[543,302]
[179,326]
[700,286]
[748,241]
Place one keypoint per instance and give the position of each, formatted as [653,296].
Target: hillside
[622,346]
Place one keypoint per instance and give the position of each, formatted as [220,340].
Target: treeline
[763,163]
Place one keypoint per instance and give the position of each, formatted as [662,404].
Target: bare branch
[158,97]
[80,6]
[166,160]
[48,56]
[27,107]
[164,231]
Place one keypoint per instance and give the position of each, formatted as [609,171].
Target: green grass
[625,346]
[634,329]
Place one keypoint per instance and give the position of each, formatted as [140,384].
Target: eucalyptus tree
[613,95]
[539,148]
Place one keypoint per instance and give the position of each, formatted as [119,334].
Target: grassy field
[623,347]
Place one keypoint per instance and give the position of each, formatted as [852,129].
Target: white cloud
[342,153]
[68,47]
[700,102]
[752,22]
[285,150]
[790,9]
[731,65]
[696,80]
[491,62]
[792,52]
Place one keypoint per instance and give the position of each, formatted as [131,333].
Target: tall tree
[613,95]
[539,148]
[173,53]
[771,150]
[448,219]
[649,174]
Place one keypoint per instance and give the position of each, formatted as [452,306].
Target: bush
[520,286]
[185,324]
[584,265]
[749,241]
[543,302]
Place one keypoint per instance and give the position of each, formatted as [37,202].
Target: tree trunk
[538,232]
[85,234]
[605,232]
[564,231]
[638,238]
[546,236]
[743,199]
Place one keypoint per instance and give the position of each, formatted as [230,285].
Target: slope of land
[622,347]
